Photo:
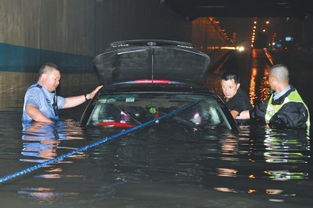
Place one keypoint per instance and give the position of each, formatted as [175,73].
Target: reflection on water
[42,142]
[288,146]
[185,166]
[252,87]
[259,89]
[265,156]
[44,194]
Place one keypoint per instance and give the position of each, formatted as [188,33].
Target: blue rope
[103,140]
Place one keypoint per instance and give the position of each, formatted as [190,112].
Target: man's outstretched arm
[74,101]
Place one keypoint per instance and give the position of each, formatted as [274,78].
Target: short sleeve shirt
[38,96]
[239,102]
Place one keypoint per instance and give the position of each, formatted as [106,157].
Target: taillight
[152,81]
[115,124]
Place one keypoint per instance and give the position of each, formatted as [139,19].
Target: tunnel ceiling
[193,9]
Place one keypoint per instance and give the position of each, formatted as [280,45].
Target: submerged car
[146,79]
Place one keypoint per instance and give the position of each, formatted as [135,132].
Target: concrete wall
[70,33]
[58,25]
[138,19]
[86,27]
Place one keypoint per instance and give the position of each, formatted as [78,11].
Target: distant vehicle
[145,79]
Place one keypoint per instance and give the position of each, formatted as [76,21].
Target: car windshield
[131,109]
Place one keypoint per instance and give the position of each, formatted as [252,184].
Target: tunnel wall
[70,33]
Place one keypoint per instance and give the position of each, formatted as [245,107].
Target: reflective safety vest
[271,109]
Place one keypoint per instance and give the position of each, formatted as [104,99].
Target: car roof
[151,59]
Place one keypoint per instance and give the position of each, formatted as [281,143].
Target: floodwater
[163,166]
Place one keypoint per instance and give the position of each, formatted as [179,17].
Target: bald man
[41,103]
[285,107]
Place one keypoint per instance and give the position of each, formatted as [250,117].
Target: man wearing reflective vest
[285,107]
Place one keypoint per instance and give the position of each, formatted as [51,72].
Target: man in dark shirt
[235,98]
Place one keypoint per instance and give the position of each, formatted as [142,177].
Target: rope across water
[101,141]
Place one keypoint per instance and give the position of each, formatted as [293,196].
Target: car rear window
[130,109]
